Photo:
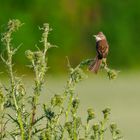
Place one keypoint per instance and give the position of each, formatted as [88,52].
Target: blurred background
[74,22]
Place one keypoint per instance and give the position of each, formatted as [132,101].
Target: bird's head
[100,36]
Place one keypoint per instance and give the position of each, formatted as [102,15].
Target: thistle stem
[13,82]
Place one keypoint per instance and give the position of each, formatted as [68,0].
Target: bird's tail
[95,65]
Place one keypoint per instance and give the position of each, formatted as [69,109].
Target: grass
[56,119]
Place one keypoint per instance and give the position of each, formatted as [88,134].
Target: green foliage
[59,119]
[74,23]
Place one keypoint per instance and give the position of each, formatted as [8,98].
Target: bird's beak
[97,38]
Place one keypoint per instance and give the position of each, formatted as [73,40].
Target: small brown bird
[102,49]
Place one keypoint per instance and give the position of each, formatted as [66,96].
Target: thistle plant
[116,133]
[39,64]
[112,74]
[60,119]
[14,95]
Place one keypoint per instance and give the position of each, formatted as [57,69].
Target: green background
[74,22]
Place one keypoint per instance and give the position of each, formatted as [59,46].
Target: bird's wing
[103,48]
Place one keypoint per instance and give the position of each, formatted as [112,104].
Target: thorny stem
[106,113]
[39,76]
[45,38]
[13,93]
[69,106]
[74,127]
[67,114]
[15,24]
[113,135]
[86,129]
[34,99]
[69,89]
[102,129]
[2,117]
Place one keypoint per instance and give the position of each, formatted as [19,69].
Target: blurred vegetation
[74,22]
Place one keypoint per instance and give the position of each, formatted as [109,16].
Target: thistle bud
[78,122]
[118,132]
[91,114]
[96,127]
[112,74]
[29,54]
[113,126]
[14,24]
[57,100]
[68,126]
[75,103]
[106,112]
[49,113]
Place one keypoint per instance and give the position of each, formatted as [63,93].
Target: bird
[102,49]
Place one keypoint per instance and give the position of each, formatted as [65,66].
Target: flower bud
[112,74]
[106,112]
[57,100]
[91,114]
[75,103]
[96,127]
[113,126]
[49,113]
[29,54]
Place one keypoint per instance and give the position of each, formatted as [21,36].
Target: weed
[59,120]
